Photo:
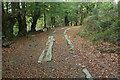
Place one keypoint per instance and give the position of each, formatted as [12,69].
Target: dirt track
[20,61]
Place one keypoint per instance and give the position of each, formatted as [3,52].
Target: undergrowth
[102,26]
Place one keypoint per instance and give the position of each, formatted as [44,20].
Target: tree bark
[81,18]
[21,19]
[71,23]
[8,21]
[3,12]
[45,26]
[66,20]
[119,23]
[76,22]
[53,21]
[7,26]
[3,20]
[7,7]
[33,26]
[35,17]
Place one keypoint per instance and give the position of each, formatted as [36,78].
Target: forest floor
[21,59]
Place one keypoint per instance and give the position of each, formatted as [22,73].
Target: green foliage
[99,19]
[101,24]
[15,29]
[108,35]
[29,23]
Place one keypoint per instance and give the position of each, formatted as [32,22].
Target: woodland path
[21,59]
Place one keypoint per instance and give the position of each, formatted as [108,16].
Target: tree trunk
[66,21]
[76,22]
[22,25]
[8,21]
[21,19]
[119,23]
[7,26]
[35,18]
[71,23]
[82,16]
[7,7]
[3,12]
[3,20]
[45,26]
[81,19]
[53,21]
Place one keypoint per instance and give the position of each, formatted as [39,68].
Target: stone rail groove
[88,75]
[48,50]
[85,71]
[68,41]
